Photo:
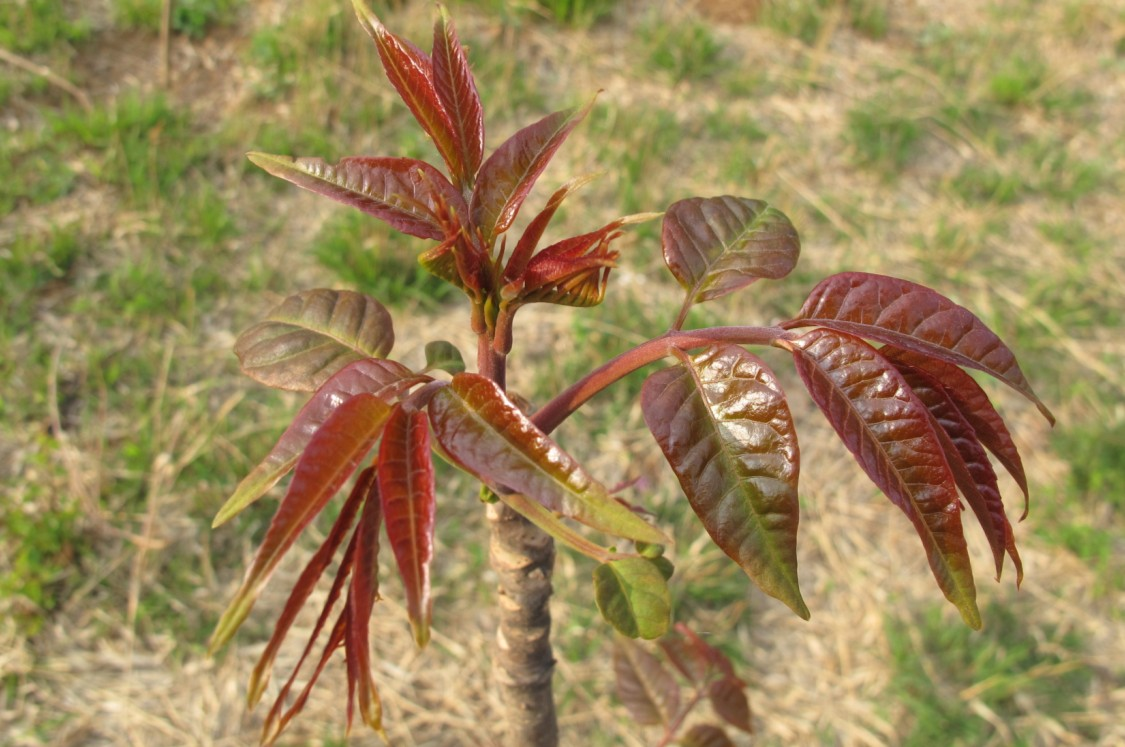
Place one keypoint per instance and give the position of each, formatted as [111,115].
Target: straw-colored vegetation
[975,147]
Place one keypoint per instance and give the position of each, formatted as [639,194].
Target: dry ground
[94,675]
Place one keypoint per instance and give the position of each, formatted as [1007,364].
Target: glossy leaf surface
[329,459]
[311,335]
[644,686]
[383,378]
[705,735]
[888,430]
[487,435]
[971,469]
[914,317]
[716,245]
[362,593]
[457,93]
[972,402]
[633,597]
[306,583]
[411,72]
[444,356]
[410,195]
[722,421]
[406,487]
[511,171]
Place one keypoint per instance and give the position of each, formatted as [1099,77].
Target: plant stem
[523,557]
[548,417]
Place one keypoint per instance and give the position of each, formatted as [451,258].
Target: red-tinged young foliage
[883,358]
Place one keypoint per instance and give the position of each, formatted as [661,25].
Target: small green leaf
[444,356]
[633,597]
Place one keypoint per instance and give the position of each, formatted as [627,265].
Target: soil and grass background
[973,146]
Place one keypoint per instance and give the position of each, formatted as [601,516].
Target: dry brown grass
[93,676]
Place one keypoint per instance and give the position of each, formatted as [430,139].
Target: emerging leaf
[457,93]
[410,195]
[717,245]
[406,486]
[311,336]
[330,458]
[644,686]
[384,378]
[974,405]
[722,421]
[572,272]
[914,317]
[510,172]
[632,595]
[444,356]
[705,735]
[488,436]
[529,240]
[411,72]
[888,430]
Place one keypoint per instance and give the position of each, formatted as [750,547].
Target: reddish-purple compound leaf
[275,721]
[911,316]
[969,462]
[383,378]
[406,485]
[410,195]
[722,421]
[716,245]
[529,240]
[307,581]
[705,735]
[644,686]
[510,172]
[411,72]
[457,92]
[361,600]
[889,431]
[312,335]
[687,659]
[327,462]
[728,698]
[974,405]
[488,436]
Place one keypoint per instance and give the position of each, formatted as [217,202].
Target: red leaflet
[327,462]
[717,245]
[969,462]
[312,335]
[259,678]
[411,72]
[728,698]
[974,405]
[483,432]
[510,172]
[529,240]
[384,378]
[457,93]
[704,650]
[406,487]
[572,272]
[721,420]
[410,195]
[705,735]
[644,686]
[362,594]
[889,431]
[912,316]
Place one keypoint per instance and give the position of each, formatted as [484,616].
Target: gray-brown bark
[524,556]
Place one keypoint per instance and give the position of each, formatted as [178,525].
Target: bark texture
[523,556]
